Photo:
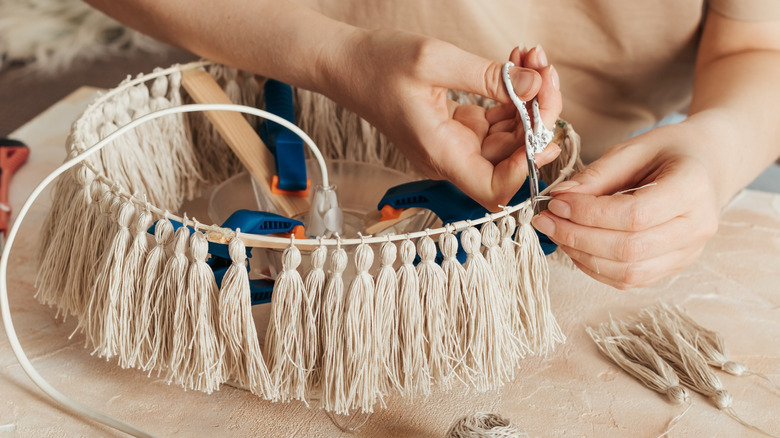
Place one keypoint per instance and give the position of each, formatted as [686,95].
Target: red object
[12,155]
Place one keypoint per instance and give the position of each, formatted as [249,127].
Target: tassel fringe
[150,300]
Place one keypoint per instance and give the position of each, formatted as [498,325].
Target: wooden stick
[242,139]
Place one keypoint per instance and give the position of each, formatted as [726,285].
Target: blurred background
[49,48]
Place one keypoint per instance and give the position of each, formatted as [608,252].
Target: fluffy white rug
[50,35]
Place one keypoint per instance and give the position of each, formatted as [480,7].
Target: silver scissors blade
[537,137]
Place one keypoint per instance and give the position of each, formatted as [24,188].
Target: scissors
[13,154]
[536,137]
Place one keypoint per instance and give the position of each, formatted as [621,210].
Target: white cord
[5,310]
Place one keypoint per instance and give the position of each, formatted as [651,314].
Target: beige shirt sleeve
[748,10]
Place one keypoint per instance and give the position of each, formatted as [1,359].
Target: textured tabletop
[734,288]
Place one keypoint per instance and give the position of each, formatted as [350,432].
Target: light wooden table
[733,288]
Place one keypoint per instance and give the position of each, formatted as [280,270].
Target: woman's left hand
[635,238]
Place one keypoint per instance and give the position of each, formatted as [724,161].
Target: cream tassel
[105,295]
[534,279]
[489,323]
[709,343]
[433,288]
[206,344]
[148,315]
[55,265]
[385,318]
[130,290]
[359,335]
[514,344]
[172,329]
[691,367]
[460,321]
[105,228]
[519,317]
[243,355]
[637,358]
[283,341]
[334,397]
[415,374]
[313,285]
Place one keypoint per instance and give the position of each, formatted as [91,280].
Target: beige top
[623,65]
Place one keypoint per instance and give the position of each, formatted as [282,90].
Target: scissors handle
[13,154]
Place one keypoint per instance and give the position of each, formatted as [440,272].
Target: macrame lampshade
[353,320]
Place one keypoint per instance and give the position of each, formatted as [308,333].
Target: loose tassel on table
[360,338]
[386,322]
[636,357]
[433,289]
[459,322]
[130,290]
[488,320]
[415,374]
[148,314]
[283,340]
[334,398]
[691,367]
[710,344]
[243,356]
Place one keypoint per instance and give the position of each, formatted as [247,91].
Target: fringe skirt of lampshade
[149,301]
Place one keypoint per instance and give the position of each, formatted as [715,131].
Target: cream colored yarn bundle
[150,301]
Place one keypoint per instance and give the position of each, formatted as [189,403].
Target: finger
[622,246]
[488,184]
[473,117]
[517,55]
[461,70]
[621,167]
[549,97]
[501,112]
[509,126]
[674,193]
[631,275]
[499,146]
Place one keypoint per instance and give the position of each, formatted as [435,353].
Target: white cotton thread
[283,340]
[415,374]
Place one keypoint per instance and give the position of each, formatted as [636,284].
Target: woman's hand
[398,81]
[635,238]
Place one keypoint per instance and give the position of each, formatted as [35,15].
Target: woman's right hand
[398,81]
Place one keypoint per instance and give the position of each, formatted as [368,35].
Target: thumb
[621,168]
[461,70]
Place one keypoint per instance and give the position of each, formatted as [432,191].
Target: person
[622,65]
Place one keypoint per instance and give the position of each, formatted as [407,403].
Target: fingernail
[541,56]
[543,224]
[525,81]
[559,208]
[566,185]
[555,79]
